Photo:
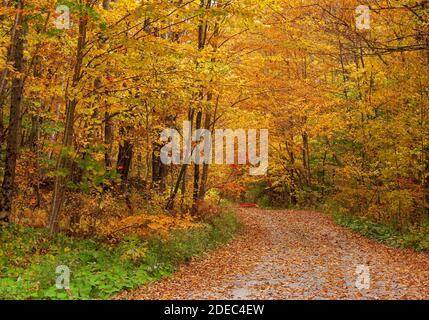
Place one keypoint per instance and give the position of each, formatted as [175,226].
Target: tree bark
[125,156]
[159,170]
[108,140]
[183,169]
[197,158]
[10,56]
[306,156]
[64,162]
[205,175]
[12,149]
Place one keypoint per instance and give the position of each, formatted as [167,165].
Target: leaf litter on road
[295,255]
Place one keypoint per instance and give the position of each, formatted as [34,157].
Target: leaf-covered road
[296,255]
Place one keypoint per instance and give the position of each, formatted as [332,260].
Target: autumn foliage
[83,107]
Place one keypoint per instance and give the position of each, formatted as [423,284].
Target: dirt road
[296,255]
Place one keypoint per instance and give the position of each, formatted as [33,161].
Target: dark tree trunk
[108,140]
[12,149]
[197,158]
[125,156]
[159,170]
[202,39]
[33,137]
[205,175]
[5,71]
[306,157]
[183,188]
[123,166]
[34,133]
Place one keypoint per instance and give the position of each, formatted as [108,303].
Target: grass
[28,260]
[416,238]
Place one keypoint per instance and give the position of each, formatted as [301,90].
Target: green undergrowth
[29,260]
[414,237]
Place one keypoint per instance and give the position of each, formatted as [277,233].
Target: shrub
[28,260]
[415,237]
[207,211]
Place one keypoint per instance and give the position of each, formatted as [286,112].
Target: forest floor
[295,255]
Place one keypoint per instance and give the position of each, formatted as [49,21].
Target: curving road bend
[296,255]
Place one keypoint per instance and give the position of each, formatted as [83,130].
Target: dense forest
[87,87]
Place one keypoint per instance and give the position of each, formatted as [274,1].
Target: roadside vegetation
[29,259]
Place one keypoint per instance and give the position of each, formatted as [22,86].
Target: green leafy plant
[28,260]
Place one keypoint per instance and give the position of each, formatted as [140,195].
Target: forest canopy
[87,87]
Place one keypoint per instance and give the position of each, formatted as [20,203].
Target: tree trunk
[205,175]
[183,189]
[183,169]
[108,140]
[202,38]
[33,137]
[123,166]
[125,155]
[10,56]
[306,156]
[64,163]
[197,159]
[159,169]
[7,188]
